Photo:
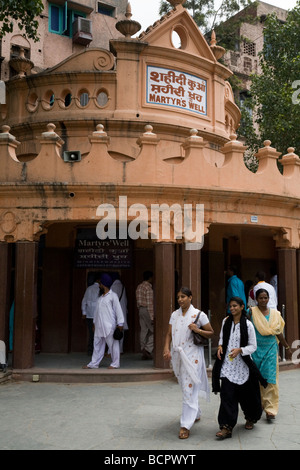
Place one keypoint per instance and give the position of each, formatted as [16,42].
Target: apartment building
[65,28]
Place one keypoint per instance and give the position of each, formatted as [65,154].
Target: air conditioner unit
[82,31]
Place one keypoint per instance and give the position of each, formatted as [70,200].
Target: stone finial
[21,65]
[174,3]
[290,163]
[99,135]
[148,137]
[267,158]
[193,141]
[50,135]
[218,51]
[290,157]
[5,135]
[148,129]
[8,143]
[128,27]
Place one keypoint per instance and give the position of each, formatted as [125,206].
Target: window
[61,19]
[105,9]
[247,65]
[250,48]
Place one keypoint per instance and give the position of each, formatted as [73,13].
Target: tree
[212,14]
[24,13]
[275,92]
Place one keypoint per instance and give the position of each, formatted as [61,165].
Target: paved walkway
[129,417]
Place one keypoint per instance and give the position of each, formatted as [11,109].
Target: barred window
[250,48]
[247,65]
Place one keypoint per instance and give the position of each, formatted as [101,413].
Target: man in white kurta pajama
[189,364]
[108,314]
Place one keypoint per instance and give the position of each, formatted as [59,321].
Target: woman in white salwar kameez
[188,359]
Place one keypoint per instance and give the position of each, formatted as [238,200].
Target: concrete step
[91,375]
[67,374]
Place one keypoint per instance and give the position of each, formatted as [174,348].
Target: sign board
[91,252]
[176,89]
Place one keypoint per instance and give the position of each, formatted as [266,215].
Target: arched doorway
[71,254]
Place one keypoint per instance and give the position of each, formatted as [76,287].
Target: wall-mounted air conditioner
[82,31]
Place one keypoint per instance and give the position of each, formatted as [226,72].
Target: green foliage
[24,13]
[275,91]
[208,16]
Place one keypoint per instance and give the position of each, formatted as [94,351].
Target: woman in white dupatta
[188,359]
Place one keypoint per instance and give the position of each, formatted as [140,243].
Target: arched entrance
[71,254]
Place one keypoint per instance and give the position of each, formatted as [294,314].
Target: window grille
[249,48]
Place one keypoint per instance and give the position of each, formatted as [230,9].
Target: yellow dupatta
[274,326]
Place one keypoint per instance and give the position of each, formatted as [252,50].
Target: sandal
[249,424]
[269,416]
[224,434]
[183,433]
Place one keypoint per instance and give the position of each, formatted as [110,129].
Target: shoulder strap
[197,316]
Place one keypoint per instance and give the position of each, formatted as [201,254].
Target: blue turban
[106,280]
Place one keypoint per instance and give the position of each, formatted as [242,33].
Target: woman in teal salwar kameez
[269,325]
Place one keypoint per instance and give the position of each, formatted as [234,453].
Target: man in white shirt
[120,290]
[274,279]
[108,315]
[144,299]
[262,284]
[88,306]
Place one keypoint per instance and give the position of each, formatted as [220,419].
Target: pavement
[121,419]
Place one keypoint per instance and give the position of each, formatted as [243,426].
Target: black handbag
[199,340]
[118,334]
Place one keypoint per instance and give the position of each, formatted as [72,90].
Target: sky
[146,11]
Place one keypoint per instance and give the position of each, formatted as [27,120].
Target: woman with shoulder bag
[238,374]
[187,358]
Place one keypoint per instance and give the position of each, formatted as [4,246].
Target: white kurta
[108,314]
[89,300]
[188,363]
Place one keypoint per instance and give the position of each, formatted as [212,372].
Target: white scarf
[181,338]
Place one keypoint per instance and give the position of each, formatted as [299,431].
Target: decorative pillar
[267,158]
[190,273]
[288,291]
[5,266]
[25,304]
[164,297]
[127,52]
